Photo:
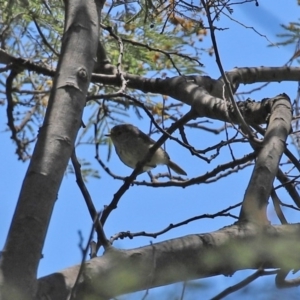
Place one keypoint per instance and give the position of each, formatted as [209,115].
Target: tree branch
[190,257]
[266,167]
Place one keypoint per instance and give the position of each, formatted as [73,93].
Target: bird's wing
[143,136]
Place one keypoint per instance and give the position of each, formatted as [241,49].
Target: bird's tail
[176,168]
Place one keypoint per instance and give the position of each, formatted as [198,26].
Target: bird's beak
[107,134]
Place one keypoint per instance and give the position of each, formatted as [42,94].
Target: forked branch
[266,167]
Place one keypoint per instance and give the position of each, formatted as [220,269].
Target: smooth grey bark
[266,166]
[206,95]
[223,252]
[170,86]
[23,247]
[211,90]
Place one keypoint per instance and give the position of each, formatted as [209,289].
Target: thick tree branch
[188,84]
[225,251]
[203,93]
[266,167]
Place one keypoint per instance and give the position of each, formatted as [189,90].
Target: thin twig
[84,255]
[102,240]
[222,213]
[260,272]
[234,166]
[246,128]
[276,203]
[43,37]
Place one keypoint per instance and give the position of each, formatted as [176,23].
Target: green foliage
[86,170]
[152,39]
[141,38]
[292,33]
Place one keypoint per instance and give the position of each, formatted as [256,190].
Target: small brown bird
[132,145]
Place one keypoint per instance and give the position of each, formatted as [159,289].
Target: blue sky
[148,209]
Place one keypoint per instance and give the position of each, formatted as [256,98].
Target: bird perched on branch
[132,145]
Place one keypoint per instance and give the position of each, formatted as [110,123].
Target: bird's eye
[119,132]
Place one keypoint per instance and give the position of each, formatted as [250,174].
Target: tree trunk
[24,244]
